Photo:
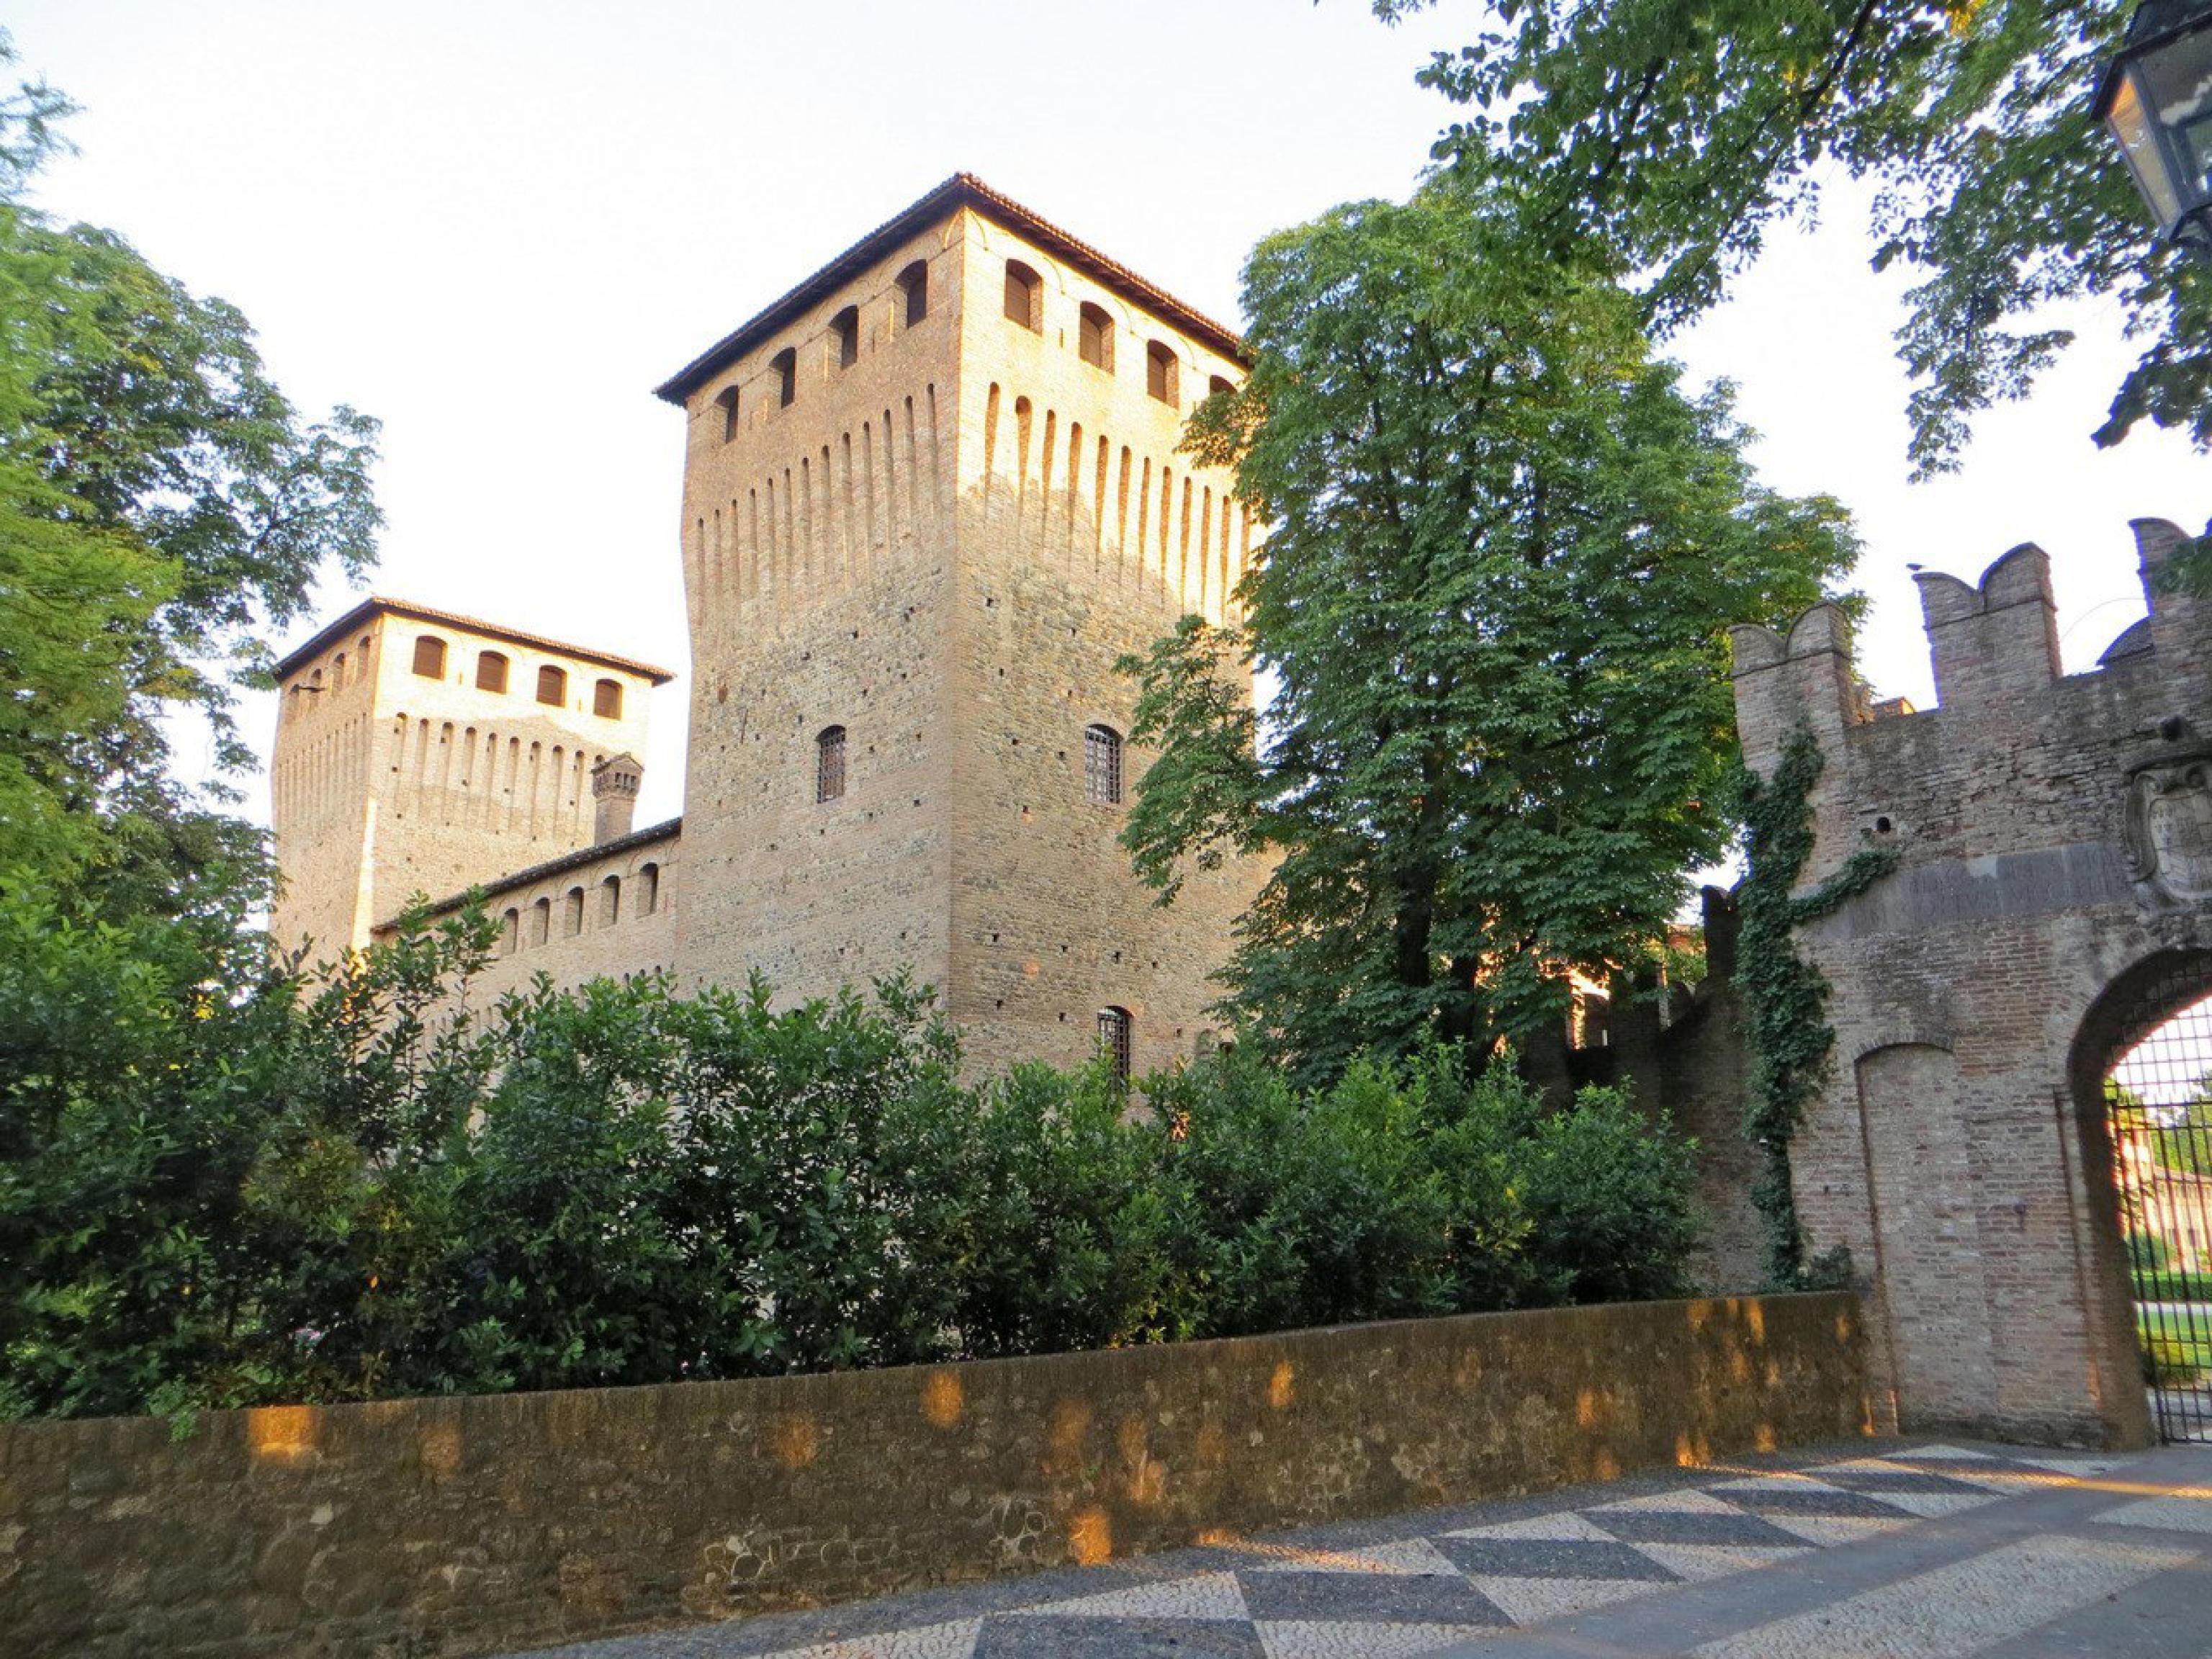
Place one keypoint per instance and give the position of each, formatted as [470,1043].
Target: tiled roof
[962,189]
[378,605]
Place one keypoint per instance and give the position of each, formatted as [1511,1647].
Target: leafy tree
[1667,136]
[161,504]
[1506,543]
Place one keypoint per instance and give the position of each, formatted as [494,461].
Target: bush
[2169,1364]
[221,1184]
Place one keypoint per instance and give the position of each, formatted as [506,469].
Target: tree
[161,505]
[1668,136]
[1506,544]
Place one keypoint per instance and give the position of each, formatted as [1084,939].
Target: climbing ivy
[1785,998]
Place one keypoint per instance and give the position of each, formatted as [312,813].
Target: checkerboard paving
[1413,1596]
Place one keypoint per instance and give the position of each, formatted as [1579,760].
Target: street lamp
[2157,99]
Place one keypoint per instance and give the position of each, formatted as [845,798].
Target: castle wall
[326,749]
[1084,537]
[1960,1151]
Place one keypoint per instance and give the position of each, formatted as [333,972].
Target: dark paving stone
[1394,1597]
[1798,1498]
[1049,1636]
[1660,1526]
[1546,1557]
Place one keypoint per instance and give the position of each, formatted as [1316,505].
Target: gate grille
[2159,1101]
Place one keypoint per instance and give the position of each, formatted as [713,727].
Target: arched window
[1095,338]
[830,764]
[914,285]
[338,672]
[845,330]
[785,367]
[606,699]
[1219,384]
[610,900]
[431,657]
[648,889]
[510,933]
[572,913]
[1101,765]
[727,401]
[1160,371]
[1115,1030]
[541,921]
[491,672]
[1024,296]
[553,685]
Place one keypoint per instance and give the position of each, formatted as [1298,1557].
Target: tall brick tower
[419,752]
[929,496]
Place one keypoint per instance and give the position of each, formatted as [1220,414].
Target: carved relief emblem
[2169,829]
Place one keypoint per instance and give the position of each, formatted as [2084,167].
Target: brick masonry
[940,541]
[466,1526]
[2053,864]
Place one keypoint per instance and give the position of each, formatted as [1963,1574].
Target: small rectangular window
[830,764]
[606,699]
[552,686]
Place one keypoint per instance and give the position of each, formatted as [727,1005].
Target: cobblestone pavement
[1910,1550]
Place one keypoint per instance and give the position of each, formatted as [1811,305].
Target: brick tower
[929,496]
[421,752]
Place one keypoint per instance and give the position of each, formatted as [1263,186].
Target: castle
[930,495]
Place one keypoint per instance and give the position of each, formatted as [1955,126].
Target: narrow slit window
[648,889]
[606,699]
[510,933]
[1095,338]
[552,685]
[611,901]
[431,657]
[541,921]
[1101,765]
[830,764]
[1113,1040]
[491,672]
[1024,296]
[727,401]
[1160,371]
[914,289]
[845,330]
[785,367]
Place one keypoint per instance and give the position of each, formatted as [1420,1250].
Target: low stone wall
[452,1527]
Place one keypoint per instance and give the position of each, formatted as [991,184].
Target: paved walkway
[1909,1550]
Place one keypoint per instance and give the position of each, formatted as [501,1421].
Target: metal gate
[2158,1095]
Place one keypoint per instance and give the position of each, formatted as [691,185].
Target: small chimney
[614,794]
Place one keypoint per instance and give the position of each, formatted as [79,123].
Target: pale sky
[496,226]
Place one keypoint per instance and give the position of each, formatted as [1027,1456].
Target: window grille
[1113,1032]
[1101,765]
[830,764]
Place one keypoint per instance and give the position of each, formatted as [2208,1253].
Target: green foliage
[2168,1363]
[1665,137]
[1506,543]
[220,1185]
[162,506]
[1785,998]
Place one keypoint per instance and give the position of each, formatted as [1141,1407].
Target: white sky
[496,226]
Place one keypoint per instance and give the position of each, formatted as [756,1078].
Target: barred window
[830,764]
[1114,1030]
[1101,765]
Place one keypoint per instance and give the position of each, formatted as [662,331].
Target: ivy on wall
[1785,998]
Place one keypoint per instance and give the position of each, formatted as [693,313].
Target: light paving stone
[1296,1638]
[2181,1511]
[953,1640]
[1564,1524]
[1688,1501]
[1959,1609]
[1699,1562]
[1827,1530]
[1013,1636]
[1206,1595]
[1413,1555]
[1532,1601]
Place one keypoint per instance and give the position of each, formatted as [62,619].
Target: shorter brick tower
[421,752]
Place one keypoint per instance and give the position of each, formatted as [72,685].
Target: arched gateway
[2018,1004]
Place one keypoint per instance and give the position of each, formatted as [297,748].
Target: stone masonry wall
[467,1525]
[1960,1150]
